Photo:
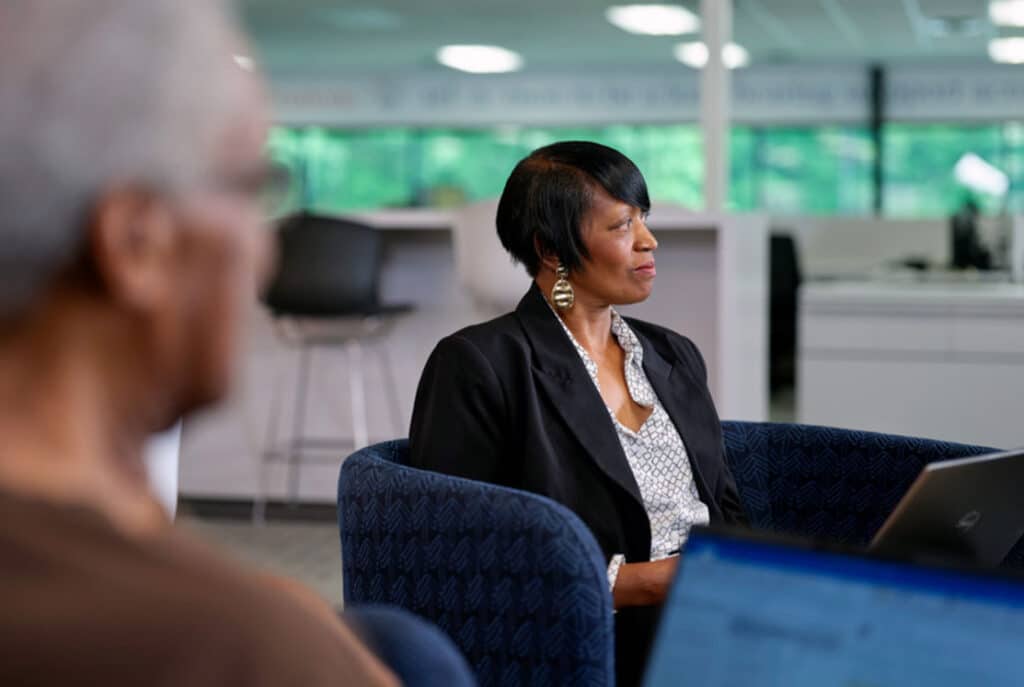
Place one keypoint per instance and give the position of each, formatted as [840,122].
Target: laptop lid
[748,610]
[970,507]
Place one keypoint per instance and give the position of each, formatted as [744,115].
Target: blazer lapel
[561,374]
[677,391]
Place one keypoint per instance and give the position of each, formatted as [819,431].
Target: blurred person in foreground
[131,243]
[608,415]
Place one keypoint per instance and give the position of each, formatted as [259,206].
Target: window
[783,170]
[816,171]
[918,164]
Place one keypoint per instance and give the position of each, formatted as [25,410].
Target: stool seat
[325,311]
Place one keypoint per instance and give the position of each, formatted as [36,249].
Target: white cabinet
[944,361]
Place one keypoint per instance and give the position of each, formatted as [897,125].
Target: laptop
[972,508]
[748,609]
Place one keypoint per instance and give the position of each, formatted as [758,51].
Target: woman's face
[620,269]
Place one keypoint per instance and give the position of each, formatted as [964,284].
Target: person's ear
[548,259]
[131,236]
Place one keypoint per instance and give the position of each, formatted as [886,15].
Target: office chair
[326,294]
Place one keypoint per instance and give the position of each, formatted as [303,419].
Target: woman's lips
[646,269]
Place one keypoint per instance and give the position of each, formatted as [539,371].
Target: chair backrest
[784,265]
[516,580]
[483,265]
[326,266]
[837,484]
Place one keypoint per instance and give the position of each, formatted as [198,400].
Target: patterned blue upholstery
[518,582]
[831,483]
[834,484]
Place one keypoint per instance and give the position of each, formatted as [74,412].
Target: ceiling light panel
[695,55]
[480,59]
[653,20]
[1007,50]
[1006,12]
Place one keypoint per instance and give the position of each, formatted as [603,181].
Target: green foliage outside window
[816,171]
[781,170]
[918,166]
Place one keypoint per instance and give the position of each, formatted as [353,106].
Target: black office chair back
[784,262]
[326,267]
[782,322]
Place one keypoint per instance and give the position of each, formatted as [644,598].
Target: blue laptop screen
[745,612]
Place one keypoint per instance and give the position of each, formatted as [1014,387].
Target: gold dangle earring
[562,295]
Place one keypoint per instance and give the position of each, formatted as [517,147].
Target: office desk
[711,286]
[941,360]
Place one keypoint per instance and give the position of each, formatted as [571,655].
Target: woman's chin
[644,287]
[637,294]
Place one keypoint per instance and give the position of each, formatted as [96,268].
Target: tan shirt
[82,604]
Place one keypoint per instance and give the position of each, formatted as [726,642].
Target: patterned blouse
[655,453]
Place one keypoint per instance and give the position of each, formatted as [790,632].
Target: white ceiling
[321,37]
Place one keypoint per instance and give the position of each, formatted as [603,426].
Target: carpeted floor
[306,551]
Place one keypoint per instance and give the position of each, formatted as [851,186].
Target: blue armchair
[515,579]
[518,581]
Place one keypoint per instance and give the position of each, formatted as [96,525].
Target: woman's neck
[589,321]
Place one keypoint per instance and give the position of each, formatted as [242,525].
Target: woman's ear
[548,259]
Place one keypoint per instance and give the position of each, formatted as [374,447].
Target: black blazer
[510,402]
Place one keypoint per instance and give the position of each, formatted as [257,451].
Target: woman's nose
[645,240]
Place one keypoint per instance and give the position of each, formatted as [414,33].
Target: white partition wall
[859,247]
[711,286]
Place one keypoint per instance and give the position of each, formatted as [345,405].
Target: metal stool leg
[270,448]
[299,422]
[360,433]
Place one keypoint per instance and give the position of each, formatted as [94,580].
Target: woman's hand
[644,584]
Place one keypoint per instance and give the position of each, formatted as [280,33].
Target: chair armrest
[516,580]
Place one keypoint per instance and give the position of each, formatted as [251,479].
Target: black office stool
[326,294]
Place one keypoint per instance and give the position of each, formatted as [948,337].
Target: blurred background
[838,200]
[368,118]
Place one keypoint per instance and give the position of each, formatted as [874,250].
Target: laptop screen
[751,612]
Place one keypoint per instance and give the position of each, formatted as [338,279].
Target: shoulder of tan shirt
[280,611]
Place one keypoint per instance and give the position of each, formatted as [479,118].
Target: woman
[607,415]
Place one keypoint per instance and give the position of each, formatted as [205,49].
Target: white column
[715,97]
[161,458]
[1016,248]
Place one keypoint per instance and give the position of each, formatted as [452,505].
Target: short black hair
[550,191]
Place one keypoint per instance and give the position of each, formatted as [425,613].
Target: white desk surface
[424,219]
[433,219]
[965,293]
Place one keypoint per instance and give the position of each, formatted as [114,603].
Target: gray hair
[95,93]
